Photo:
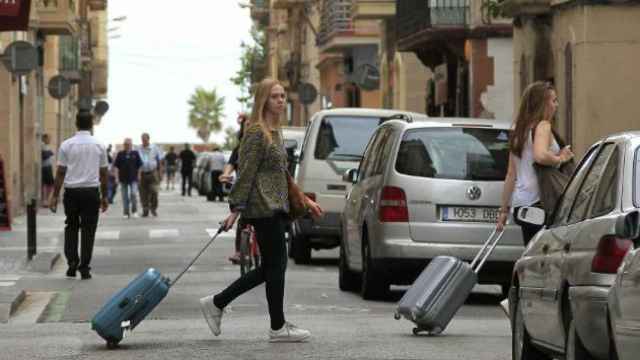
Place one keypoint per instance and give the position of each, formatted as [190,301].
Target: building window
[568,93]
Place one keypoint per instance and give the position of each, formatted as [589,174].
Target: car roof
[370,112]
[624,136]
[453,122]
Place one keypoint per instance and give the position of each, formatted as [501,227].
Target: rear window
[343,138]
[455,153]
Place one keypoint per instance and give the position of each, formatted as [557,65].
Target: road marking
[163,233]
[212,232]
[7,283]
[108,235]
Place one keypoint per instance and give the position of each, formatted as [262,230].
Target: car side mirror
[350,176]
[531,215]
[628,226]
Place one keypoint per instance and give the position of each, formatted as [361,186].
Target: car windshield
[343,138]
[455,153]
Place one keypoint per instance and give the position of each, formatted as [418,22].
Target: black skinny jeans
[82,208]
[186,183]
[270,235]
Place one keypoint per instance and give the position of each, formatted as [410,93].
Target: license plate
[471,214]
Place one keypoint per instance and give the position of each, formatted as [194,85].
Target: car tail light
[393,205]
[610,253]
[311,196]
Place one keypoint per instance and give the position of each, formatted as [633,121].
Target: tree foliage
[206,112]
[230,139]
[252,66]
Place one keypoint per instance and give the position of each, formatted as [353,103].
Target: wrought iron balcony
[414,16]
[336,19]
[373,9]
[57,17]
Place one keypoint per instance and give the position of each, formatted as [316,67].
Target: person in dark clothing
[171,163]
[187,161]
[112,184]
[128,163]
[82,169]
[47,169]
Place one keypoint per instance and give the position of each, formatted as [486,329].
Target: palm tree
[206,112]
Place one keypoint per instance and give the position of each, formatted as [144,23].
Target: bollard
[32,208]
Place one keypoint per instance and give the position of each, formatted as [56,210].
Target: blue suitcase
[129,306]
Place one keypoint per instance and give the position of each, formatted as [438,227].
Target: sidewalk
[13,256]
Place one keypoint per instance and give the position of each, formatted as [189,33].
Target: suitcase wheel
[417,330]
[397,316]
[112,345]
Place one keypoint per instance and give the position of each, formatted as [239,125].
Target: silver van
[334,142]
[423,189]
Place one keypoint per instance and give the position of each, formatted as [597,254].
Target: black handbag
[552,180]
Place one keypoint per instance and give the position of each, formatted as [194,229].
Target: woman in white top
[531,141]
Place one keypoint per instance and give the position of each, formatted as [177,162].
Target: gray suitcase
[442,288]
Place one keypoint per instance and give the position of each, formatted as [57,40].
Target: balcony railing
[416,15]
[57,16]
[69,53]
[336,19]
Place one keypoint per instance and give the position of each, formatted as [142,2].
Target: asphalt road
[53,322]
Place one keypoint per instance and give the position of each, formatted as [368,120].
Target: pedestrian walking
[532,141]
[46,155]
[226,177]
[261,195]
[217,163]
[150,175]
[187,161]
[82,168]
[112,182]
[128,164]
[171,164]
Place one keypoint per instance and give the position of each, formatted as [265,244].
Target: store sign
[14,15]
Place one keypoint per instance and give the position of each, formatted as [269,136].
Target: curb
[44,262]
[10,299]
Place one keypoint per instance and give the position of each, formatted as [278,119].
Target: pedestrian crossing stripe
[163,233]
[108,235]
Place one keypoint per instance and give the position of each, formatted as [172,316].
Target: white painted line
[102,250]
[212,232]
[108,235]
[7,283]
[163,233]
[33,305]
[9,277]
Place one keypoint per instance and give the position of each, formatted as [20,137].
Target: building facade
[27,110]
[588,49]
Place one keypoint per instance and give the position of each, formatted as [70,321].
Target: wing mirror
[350,176]
[628,226]
[531,215]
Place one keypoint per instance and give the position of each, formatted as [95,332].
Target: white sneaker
[211,313]
[289,333]
[135,215]
[125,216]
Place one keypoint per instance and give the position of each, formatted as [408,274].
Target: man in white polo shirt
[82,168]
[150,174]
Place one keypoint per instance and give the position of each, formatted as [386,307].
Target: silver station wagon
[561,284]
[424,189]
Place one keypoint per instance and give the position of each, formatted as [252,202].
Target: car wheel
[574,348]
[374,285]
[521,346]
[300,248]
[347,279]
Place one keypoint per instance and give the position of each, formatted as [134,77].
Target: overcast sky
[164,51]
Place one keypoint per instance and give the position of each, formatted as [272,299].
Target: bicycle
[249,250]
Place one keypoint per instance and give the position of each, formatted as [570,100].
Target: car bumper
[326,231]
[589,306]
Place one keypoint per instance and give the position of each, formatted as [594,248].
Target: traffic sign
[59,87]
[307,93]
[20,58]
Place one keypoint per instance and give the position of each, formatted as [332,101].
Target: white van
[334,143]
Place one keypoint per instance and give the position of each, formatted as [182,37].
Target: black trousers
[270,236]
[82,208]
[216,185]
[186,183]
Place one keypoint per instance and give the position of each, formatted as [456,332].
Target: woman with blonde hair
[261,195]
[532,141]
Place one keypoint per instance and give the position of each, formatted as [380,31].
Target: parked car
[624,297]
[334,142]
[293,137]
[562,281]
[423,189]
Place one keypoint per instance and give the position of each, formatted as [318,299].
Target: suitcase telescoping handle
[221,229]
[486,250]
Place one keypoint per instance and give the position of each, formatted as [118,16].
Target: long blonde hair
[263,92]
[533,105]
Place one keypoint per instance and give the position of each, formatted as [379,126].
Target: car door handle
[567,247]
[545,248]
